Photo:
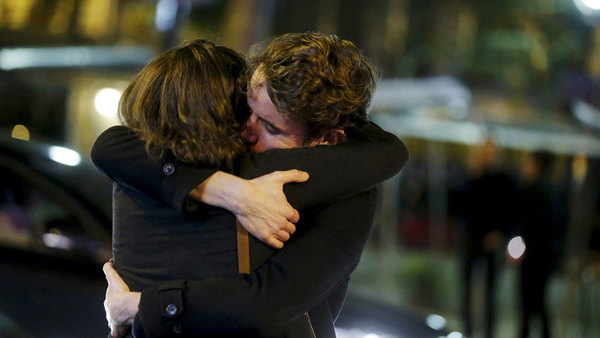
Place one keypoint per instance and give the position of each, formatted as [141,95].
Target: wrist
[223,190]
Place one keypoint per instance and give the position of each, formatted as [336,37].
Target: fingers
[289,228]
[107,268]
[274,239]
[293,215]
[283,232]
[277,239]
[293,175]
[118,331]
[273,242]
[113,278]
[282,236]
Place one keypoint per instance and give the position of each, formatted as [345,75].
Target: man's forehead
[257,80]
[262,105]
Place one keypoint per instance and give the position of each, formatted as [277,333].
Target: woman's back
[153,242]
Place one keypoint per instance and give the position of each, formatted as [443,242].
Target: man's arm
[368,158]
[291,282]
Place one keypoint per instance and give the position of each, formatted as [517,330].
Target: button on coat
[171,310]
[169,169]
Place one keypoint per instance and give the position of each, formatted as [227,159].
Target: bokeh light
[592,4]
[436,322]
[20,132]
[64,156]
[106,101]
[516,247]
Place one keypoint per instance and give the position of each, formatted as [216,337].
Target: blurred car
[367,317]
[55,232]
[53,202]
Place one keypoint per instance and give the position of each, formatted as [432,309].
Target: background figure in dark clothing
[538,226]
[487,217]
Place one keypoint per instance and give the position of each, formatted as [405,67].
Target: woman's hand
[259,204]
[120,304]
[265,211]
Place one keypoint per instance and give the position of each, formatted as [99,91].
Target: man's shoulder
[352,206]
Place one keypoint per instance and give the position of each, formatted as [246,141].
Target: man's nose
[248,133]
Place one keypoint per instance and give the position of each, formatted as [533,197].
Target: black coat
[297,291]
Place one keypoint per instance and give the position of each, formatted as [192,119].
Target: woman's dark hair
[190,100]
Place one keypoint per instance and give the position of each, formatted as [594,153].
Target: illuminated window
[17,13]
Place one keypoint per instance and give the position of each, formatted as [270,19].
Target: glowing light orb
[20,132]
[591,4]
[65,156]
[516,247]
[106,101]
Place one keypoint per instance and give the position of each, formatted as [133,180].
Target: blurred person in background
[306,90]
[488,213]
[538,228]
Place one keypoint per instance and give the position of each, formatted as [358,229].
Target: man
[299,290]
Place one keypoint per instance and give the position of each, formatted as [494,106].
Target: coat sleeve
[291,282]
[365,160]
[369,157]
[121,155]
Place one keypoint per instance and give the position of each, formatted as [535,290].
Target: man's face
[267,129]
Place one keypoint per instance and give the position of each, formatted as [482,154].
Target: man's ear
[332,137]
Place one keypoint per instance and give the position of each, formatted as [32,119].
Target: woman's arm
[368,158]
[121,155]
[261,208]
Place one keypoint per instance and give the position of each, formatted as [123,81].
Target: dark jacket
[297,292]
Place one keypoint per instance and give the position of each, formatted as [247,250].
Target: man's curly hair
[319,80]
[190,100]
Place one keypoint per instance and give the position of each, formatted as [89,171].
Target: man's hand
[259,205]
[120,304]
